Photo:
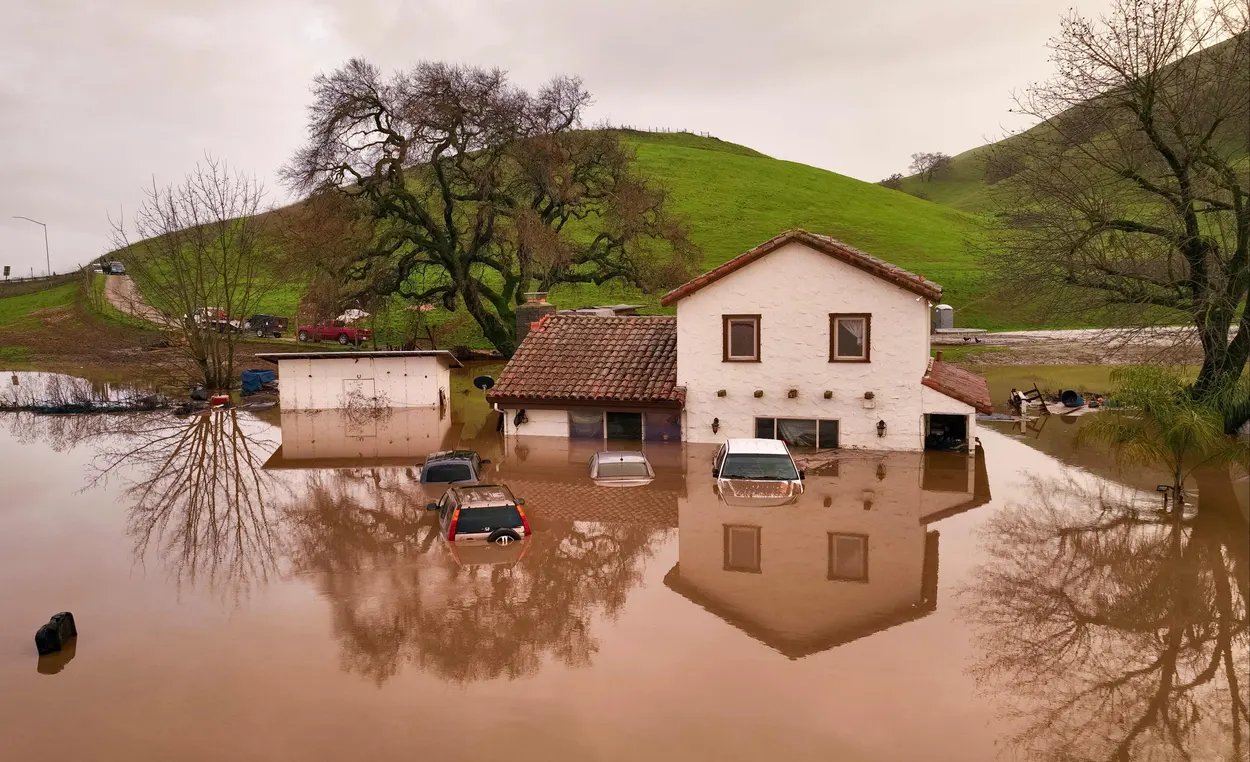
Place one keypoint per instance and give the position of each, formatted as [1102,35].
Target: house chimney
[533,310]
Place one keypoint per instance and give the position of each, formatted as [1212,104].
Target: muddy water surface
[246,590]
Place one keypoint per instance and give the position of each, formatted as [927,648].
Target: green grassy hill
[734,198]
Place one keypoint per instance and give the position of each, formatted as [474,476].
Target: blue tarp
[253,380]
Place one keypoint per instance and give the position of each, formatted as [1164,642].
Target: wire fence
[665,130]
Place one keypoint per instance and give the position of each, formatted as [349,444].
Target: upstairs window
[741,340]
[850,337]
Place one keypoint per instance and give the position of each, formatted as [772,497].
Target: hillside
[963,185]
[734,198]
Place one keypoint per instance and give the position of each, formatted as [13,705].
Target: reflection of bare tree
[1117,627]
[198,496]
[399,597]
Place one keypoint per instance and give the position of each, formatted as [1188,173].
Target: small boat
[1070,398]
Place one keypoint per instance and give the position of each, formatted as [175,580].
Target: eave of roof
[443,354]
[825,245]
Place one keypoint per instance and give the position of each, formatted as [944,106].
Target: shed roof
[959,384]
[825,245]
[592,359]
[274,357]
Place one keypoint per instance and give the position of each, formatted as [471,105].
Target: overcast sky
[97,98]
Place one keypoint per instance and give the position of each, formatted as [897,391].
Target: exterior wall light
[721,392]
[880,428]
[828,395]
[759,392]
[715,425]
[793,393]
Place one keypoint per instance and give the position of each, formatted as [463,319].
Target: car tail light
[451,530]
[524,521]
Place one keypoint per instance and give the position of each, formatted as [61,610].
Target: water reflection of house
[554,479]
[350,439]
[853,556]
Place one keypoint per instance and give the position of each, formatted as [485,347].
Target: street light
[47,256]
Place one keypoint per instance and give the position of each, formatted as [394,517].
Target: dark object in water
[54,635]
[1070,398]
[52,663]
[187,408]
[252,381]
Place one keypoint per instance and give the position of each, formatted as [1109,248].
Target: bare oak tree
[196,253]
[484,191]
[929,165]
[1133,195]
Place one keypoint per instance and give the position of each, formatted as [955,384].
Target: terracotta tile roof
[584,358]
[957,383]
[824,244]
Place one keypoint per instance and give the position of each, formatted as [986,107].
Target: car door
[447,506]
[717,462]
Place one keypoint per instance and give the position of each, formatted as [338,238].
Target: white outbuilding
[344,380]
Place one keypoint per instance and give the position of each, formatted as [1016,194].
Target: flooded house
[342,380]
[391,437]
[802,338]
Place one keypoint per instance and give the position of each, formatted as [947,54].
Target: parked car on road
[452,467]
[212,317]
[115,268]
[266,325]
[481,513]
[620,469]
[334,330]
[742,463]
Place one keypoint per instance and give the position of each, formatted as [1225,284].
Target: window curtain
[855,328]
[797,433]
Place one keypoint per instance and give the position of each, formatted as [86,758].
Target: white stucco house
[802,338]
[343,380]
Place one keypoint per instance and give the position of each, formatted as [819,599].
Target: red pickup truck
[334,330]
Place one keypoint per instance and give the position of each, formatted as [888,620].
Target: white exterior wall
[540,423]
[320,384]
[794,289]
[933,401]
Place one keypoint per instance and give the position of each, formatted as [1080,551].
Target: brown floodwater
[274,590]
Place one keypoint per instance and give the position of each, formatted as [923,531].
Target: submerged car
[452,467]
[620,469]
[483,513]
[743,466]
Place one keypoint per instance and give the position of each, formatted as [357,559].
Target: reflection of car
[452,467]
[620,469]
[740,463]
[265,325]
[485,512]
[489,553]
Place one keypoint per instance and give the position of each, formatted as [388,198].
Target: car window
[446,473]
[758,466]
[625,468]
[481,520]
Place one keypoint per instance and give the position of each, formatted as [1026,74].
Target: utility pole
[47,256]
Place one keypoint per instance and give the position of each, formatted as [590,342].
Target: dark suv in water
[452,467]
[480,512]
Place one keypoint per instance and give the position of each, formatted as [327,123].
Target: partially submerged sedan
[620,469]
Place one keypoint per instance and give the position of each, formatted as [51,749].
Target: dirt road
[1083,346]
[123,294]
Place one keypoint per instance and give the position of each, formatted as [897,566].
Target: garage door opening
[946,432]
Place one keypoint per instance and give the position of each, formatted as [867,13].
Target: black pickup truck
[266,325]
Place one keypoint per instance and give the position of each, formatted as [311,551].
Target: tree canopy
[482,191]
